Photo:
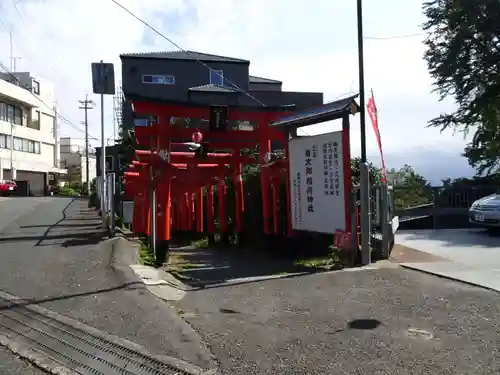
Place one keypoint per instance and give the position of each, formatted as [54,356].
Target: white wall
[72,145]
[46,136]
[74,160]
[92,168]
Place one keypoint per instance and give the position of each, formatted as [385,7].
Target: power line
[64,119]
[184,50]
[61,117]
[403,36]
[198,61]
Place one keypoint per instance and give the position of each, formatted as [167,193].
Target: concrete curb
[167,286]
[447,277]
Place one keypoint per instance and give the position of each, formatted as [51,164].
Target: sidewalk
[467,256]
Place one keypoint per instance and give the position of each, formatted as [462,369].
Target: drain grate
[77,349]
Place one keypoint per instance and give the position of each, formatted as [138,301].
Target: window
[18,144]
[217,77]
[10,113]
[18,116]
[158,79]
[109,164]
[25,117]
[3,111]
[141,122]
[35,121]
[36,87]
[14,114]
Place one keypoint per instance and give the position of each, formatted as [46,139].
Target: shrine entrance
[174,190]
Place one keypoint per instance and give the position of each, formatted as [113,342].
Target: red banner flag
[373,113]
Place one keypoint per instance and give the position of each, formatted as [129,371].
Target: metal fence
[383,222]
[442,207]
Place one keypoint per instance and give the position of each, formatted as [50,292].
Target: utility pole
[86,105]
[12,57]
[364,170]
[13,172]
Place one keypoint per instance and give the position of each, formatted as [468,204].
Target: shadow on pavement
[204,268]
[359,325]
[80,232]
[81,225]
[451,237]
[90,239]
[73,236]
[64,215]
[84,218]
[6,305]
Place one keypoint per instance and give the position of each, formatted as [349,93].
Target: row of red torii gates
[178,179]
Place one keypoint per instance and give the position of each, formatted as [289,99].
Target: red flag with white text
[373,113]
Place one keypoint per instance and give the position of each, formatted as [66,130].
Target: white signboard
[317,183]
[128,211]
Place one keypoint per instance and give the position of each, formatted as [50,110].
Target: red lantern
[197,137]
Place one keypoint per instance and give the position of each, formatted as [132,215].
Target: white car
[486,211]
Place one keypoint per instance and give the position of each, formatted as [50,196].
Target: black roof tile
[213,88]
[184,55]
[328,111]
[255,79]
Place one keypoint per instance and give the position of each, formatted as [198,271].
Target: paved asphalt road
[386,321]
[50,252]
[350,323]
[11,365]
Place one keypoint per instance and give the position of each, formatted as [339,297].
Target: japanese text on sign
[331,166]
[297,212]
[336,166]
[309,177]
[317,183]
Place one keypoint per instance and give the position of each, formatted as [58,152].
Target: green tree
[411,188]
[375,172]
[463,57]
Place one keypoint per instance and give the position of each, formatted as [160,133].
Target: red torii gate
[161,135]
[183,176]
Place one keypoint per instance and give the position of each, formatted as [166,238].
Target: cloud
[310,48]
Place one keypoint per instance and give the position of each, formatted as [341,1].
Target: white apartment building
[29,140]
[74,160]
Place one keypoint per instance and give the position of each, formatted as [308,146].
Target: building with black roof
[195,78]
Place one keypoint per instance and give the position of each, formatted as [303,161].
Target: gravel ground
[385,321]
[53,255]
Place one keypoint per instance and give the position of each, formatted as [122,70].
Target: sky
[309,48]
